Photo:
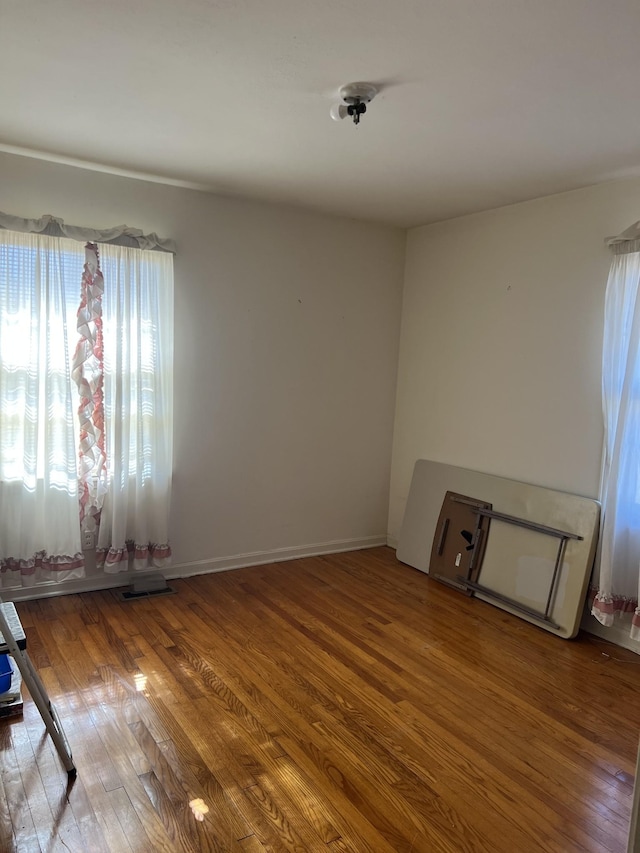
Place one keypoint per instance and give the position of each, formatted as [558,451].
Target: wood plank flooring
[340,703]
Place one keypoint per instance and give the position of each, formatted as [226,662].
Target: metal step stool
[13,641]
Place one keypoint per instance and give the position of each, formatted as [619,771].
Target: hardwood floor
[340,703]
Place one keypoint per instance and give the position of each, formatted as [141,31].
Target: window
[39,293]
[46,453]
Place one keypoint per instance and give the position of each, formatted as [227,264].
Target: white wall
[287,329]
[501,339]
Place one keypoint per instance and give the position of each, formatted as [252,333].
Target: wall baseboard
[95,583]
[277,555]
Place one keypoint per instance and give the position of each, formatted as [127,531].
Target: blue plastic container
[6,671]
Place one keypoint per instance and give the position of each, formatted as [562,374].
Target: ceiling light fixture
[355,97]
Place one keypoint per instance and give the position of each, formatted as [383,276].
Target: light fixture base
[354,93]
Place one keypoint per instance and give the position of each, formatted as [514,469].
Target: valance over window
[52,226]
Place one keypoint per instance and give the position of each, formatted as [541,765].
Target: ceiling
[483,102]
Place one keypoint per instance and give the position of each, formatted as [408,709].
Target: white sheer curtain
[619,579]
[39,530]
[137,320]
[111,467]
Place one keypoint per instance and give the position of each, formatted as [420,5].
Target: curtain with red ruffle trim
[112,560]
[42,561]
[607,607]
